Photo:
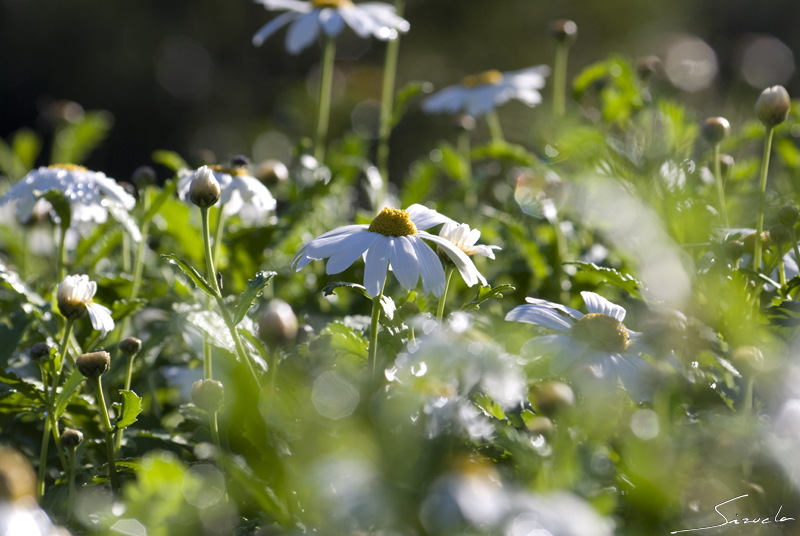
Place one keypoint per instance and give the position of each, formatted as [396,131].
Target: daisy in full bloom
[394,237]
[306,19]
[464,239]
[479,94]
[239,192]
[74,297]
[598,340]
[91,195]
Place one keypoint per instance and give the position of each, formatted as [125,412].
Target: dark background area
[184,76]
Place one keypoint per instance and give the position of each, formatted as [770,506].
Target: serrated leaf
[251,292]
[786,315]
[345,340]
[487,293]
[387,303]
[13,282]
[131,408]
[69,389]
[18,384]
[209,324]
[169,159]
[626,282]
[196,278]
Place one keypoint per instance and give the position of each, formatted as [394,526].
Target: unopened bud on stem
[715,129]
[772,107]
[204,190]
[208,395]
[93,365]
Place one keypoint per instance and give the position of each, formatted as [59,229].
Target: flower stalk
[324,106]
[762,194]
[495,130]
[101,402]
[440,309]
[387,101]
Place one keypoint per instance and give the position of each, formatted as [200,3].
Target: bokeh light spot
[766,61]
[690,64]
[333,397]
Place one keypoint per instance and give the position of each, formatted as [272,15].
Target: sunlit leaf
[75,140]
[487,293]
[131,408]
[68,390]
[626,282]
[169,159]
[198,279]
[387,303]
[251,292]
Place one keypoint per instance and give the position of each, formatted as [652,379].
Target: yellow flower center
[602,332]
[393,222]
[331,3]
[68,167]
[235,171]
[489,77]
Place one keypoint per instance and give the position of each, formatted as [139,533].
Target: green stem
[101,401]
[324,107]
[23,261]
[387,101]
[208,367]
[138,264]
[463,142]
[496,132]
[126,252]
[71,496]
[720,186]
[372,363]
[62,252]
[762,197]
[212,424]
[794,246]
[560,79]
[781,270]
[747,401]
[218,228]
[561,255]
[63,352]
[443,299]
[43,457]
[128,378]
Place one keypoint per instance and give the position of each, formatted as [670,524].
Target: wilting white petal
[100,317]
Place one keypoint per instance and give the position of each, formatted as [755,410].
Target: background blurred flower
[479,94]
[306,19]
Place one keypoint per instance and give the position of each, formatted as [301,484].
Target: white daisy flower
[394,237]
[464,239]
[240,193]
[598,340]
[74,297]
[306,19]
[91,195]
[479,94]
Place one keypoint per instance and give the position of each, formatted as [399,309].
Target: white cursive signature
[742,521]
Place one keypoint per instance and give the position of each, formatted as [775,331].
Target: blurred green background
[184,75]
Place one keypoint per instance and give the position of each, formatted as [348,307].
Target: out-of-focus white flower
[240,193]
[91,195]
[306,19]
[395,236]
[75,295]
[464,239]
[479,94]
[598,340]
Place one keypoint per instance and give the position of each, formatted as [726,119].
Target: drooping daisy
[74,297]
[394,237]
[240,193]
[306,19]
[599,340]
[91,195]
[464,239]
[479,94]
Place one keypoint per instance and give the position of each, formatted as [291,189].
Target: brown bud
[773,105]
[93,365]
[551,397]
[715,129]
[71,438]
[130,346]
[563,30]
[750,241]
[208,395]
[204,190]
[17,479]
[39,351]
[540,425]
[272,171]
[648,66]
[278,324]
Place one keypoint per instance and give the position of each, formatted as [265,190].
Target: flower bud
[551,397]
[278,324]
[465,122]
[748,359]
[93,365]
[779,233]
[726,163]
[71,438]
[540,425]
[773,105]
[143,176]
[17,479]
[207,395]
[204,190]
[39,351]
[130,346]
[408,310]
[563,30]
[733,250]
[788,216]
[648,66]
[715,129]
[272,171]
[750,241]
[240,161]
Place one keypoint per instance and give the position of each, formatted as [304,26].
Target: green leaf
[131,408]
[27,145]
[74,141]
[10,164]
[626,282]
[343,340]
[207,323]
[13,282]
[487,293]
[60,205]
[198,279]
[505,151]
[786,315]
[21,386]
[387,303]
[68,390]
[404,96]
[170,187]
[251,292]
[11,334]
[169,159]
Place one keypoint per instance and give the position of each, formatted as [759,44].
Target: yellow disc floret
[602,332]
[331,3]
[393,222]
[68,167]
[493,77]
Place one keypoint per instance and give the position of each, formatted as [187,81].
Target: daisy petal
[331,21]
[302,32]
[326,245]
[404,262]
[449,100]
[598,304]
[377,264]
[546,345]
[100,317]
[636,375]
[349,250]
[539,316]
[557,306]
[463,263]
[291,5]
[567,355]
[430,267]
[361,23]
[267,30]
[425,218]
